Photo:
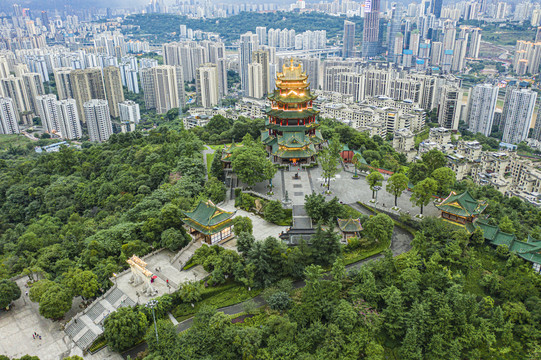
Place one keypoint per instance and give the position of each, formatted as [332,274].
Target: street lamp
[151,305]
[376,189]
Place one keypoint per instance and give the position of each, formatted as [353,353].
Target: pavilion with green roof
[528,250]
[209,223]
[227,153]
[291,132]
[461,209]
[349,228]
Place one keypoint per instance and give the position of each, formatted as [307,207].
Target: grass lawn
[217,147]
[361,254]
[217,297]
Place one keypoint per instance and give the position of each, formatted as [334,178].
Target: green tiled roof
[350,225]
[295,153]
[294,139]
[281,114]
[208,218]
[462,205]
[530,251]
[362,160]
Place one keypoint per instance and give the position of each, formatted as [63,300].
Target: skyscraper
[449,106]
[518,110]
[69,119]
[262,57]
[48,113]
[255,80]
[261,32]
[147,83]
[206,84]
[87,85]
[98,120]
[129,111]
[481,108]
[348,47]
[13,87]
[33,85]
[62,78]
[45,19]
[435,8]
[371,32]
[168,88]
[8,117]
[248,44]
[394,30]
[113,89]
[475,43]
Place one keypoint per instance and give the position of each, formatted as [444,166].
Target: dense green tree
[322,211]
[325,246]
[423,191]
[434,159]
[242,224]
[175,239]
[374,179]
[506,225]
[379,228]
[9,292]
[273,212]
[55,302]
[124,327]
[245,242]
[445,178]
[39,288]
[167,343]
[279,301]
[81,283]
[418,171]
[216,167]
[251,165]
[215,190]
[396,185]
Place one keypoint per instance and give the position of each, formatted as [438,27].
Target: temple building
[291,134]
[461,209]
[209,223]
[349,228]
[227,153]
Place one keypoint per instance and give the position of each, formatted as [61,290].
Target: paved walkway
[349,190]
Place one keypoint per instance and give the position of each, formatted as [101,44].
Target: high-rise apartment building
[113,89]
[262,57]
[147,83]
[206,85]
[371,45]
[475,43]
[62,78]
[261,32]
[481,108]
[98,120]
[87,85]
[394,30]
[348,42]
[48,112]
[13,87]
[518,109]
[168,88]
[449,106]
[435,8]
[129,112]
[9,117]
[255,80]
[69,119]
[248,44]
[33,86]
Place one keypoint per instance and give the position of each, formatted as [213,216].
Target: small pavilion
[349,228]
[461,209]
[209,223]
[227,153]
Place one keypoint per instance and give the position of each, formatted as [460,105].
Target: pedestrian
[33,336]
[26,293]
[40,337]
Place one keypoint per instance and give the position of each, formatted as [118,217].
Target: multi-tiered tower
[291,134]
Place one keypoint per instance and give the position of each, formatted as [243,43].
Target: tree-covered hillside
[165,27]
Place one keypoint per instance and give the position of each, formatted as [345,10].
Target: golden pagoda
[291,134]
